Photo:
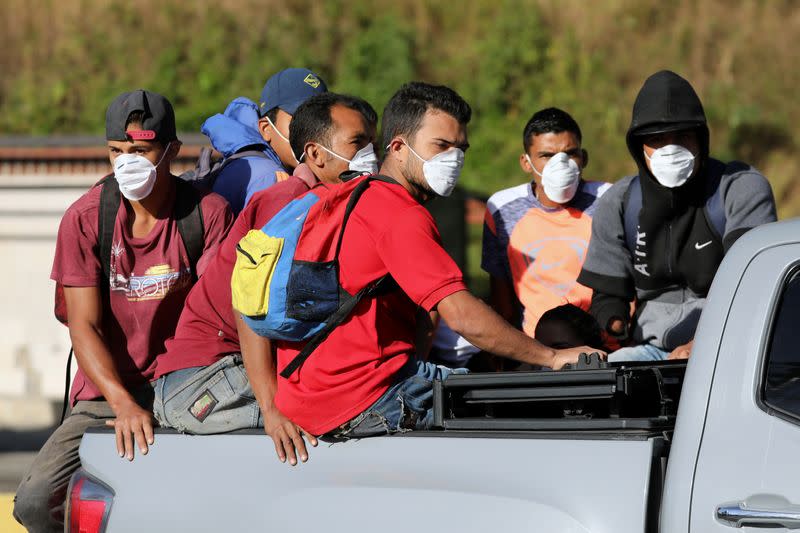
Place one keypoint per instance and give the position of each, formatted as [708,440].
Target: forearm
[97,363]
[259,363]
[487,330]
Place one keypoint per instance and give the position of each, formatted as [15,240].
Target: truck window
[781,390]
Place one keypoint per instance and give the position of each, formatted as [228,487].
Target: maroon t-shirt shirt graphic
[149,280]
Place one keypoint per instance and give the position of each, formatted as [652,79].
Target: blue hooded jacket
[231,131]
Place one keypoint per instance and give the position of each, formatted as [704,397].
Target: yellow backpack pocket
[257,255]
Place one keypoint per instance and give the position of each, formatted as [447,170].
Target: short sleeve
[217,220]
[494,258]
[76,260]
[412,251]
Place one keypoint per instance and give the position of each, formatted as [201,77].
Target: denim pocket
[217,399]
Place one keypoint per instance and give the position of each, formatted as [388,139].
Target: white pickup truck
[604,450]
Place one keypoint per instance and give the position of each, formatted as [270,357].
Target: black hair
[136,117]
[272,114]
[405,110]
[312,121]
[568,326]
[550,120]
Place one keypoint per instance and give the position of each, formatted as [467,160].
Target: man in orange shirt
[536,234]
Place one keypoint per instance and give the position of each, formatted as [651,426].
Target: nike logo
[698,246]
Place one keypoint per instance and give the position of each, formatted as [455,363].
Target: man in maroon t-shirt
[118,324]
[202,385]
[365,378]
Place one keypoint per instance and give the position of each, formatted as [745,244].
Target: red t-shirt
[388,231]
[149,280]
[207,329]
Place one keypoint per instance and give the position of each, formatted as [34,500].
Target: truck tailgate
[426,481]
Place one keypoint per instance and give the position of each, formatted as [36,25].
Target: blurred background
[63,61]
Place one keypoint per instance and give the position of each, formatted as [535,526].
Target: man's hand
[132,423]
[616,327]
[571,355]
[681,352]
[287,436]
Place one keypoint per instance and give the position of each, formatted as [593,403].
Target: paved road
[17,450]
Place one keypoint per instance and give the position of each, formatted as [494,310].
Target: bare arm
[85,311]
[259,359]
[487,330]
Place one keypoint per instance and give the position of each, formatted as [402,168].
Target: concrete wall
[33,344]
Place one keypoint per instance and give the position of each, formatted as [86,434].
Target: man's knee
[34,505]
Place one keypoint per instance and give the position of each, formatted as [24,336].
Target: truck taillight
[88,504]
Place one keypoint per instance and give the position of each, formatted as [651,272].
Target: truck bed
[426,481]
[575,451]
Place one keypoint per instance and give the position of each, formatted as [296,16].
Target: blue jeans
[643,352]
[405,406]
[207,399]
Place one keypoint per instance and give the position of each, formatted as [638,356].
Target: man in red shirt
[119,324]
[202,384]
[365,379]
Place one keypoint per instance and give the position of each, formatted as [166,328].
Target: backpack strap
[631,206]
[189,217]
[107,215]
[715,206]
[334,321]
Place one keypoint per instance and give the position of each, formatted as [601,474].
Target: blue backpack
[285,282]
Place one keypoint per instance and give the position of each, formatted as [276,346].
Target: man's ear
[525,165]
[265,129]
[313,155]
[585,157]
[173,150]
[393,149]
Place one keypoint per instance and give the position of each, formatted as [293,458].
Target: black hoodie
[678,251]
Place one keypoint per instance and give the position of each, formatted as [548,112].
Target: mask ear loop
[166,149]
[278,132]
[533,167]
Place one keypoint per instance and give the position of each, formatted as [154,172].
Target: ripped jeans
[405,406]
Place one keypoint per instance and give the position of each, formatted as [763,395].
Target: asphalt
[17,450]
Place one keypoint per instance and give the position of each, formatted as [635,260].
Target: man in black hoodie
[658,237]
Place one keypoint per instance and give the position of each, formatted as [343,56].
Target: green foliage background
[62,61]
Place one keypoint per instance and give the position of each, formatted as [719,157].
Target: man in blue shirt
[264,128]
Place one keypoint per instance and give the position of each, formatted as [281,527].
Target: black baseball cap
[288,89]
[158,122]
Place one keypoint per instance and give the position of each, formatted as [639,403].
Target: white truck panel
[388,484]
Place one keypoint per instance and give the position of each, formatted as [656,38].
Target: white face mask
[136,175]
[364,160]
[672,165]
[561,177]
[442,170]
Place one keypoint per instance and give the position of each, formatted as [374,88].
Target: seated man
[365,379]
[125,277]
[535,235]
[245,127]
[202,384]
[658,237]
